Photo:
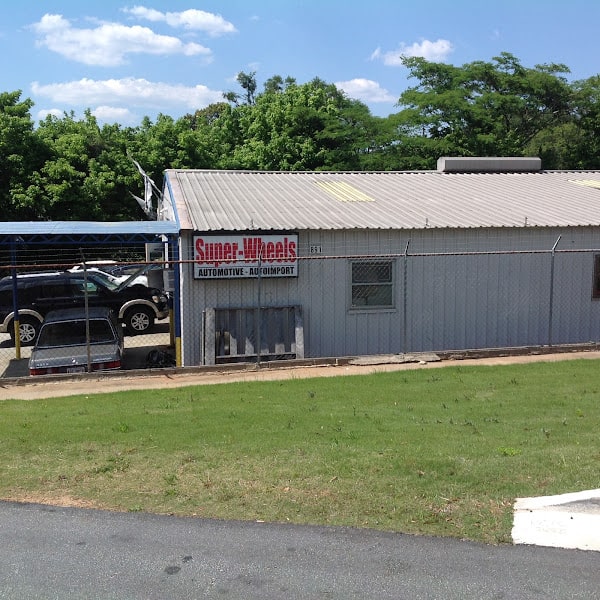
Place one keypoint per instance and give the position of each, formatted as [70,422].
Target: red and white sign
[235,256]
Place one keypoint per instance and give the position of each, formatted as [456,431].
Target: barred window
[372,284]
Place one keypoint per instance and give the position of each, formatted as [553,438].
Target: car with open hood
[33,295]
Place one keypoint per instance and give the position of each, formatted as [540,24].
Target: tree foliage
[298,127]
[21,154]
[482,108]
[65,168]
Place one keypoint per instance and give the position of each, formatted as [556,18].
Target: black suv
[137,306]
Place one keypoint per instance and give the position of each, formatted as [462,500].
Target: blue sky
[126,60]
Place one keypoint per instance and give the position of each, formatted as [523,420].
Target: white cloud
[437,51]
[105,114]
[213,25]
[113,114]
[55,112]
[108,43]
[366,90]
[133,92]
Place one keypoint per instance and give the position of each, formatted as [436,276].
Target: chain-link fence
[368,304]
[330,306]
[70,284]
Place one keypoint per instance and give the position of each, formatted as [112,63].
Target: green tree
[21,153]
[86,174]
[482,108]
[247,82]
[277,84]
[297,127]
[202,141]
[585,140]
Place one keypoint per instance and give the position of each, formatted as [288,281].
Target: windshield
[105,279]
[73,333]
[104,275]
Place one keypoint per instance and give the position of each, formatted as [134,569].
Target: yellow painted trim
[178,352]
[17,325]
[593,183]
[344,192]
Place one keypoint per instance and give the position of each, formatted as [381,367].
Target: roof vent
[489,164]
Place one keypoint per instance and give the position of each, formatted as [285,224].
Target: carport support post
[171,261]
[551,303]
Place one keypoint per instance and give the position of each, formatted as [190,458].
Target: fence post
[405,299]
[551,303]
[86,304]
[258,311]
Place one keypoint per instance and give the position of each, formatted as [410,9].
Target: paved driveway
[66,553]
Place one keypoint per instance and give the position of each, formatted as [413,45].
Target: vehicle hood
[137,277]
[134,289]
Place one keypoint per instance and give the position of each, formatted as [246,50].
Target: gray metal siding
[576,314]
[453,301]
[460,302]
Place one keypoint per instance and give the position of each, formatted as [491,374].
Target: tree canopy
[65,168]
[483,108]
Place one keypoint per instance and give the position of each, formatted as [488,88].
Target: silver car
[71,343]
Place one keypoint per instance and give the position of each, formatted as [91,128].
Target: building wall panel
[465,289]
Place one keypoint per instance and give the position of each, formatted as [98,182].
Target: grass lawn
[438,451]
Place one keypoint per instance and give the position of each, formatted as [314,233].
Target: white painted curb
[563,521]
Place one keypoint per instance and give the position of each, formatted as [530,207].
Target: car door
[52,293]
[97,295]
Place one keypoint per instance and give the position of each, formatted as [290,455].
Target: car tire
[29,329]
[138,320]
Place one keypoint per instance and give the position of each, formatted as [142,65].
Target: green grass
[438,451]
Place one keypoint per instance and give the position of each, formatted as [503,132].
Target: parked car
[116,272]
[137,306]
[74,340]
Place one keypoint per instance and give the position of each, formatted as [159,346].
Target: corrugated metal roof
[244,200]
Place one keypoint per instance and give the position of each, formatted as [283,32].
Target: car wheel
[28,331]
[139,320]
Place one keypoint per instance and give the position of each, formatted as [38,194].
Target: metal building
[481,253]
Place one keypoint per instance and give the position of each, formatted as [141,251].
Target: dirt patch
[32,389]
[54,500]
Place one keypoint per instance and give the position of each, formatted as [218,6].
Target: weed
[170,479]
[507,451]
[114,464]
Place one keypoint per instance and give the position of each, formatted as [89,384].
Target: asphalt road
[69,553]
